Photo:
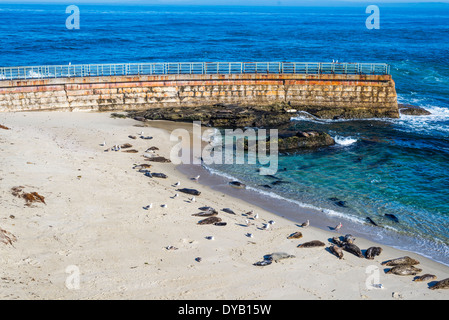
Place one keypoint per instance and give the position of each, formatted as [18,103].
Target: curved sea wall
[324,95]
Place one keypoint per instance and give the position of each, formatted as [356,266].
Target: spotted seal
[404,270]
[193,192]
[373,252]
[205,214]
[312,244]
[425,277]
[443,284]
[403,261]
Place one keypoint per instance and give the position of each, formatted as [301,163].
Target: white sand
[94,219]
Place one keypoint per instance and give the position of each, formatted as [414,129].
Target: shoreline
[94,218]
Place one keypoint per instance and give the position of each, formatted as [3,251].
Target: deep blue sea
[378,167]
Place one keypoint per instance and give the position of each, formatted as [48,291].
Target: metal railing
[125,69]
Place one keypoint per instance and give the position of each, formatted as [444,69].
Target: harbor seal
[373,252]
[425,277]
[208,209]
[312,244]
[205,214]
[278,256]
[296,235]
[193,192]
[443,284]
[237,184]
[349,238]
[227,210]
[352,248]
[337,251]
[404,270]
[403,261]
[210,220]
[392,217]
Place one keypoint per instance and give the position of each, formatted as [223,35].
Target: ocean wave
[345,141]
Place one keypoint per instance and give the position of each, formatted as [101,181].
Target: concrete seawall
[324,95]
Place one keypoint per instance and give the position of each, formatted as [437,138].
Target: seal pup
[405,270]
[443,284]
[403,261]
[373,252]
[296,235]
[210,220]
[425,277]
[337,251]
[352,248]
[305,224]
[312,244]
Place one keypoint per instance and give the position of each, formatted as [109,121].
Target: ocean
[378,166]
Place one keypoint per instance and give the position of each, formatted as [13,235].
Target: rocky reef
[411,110]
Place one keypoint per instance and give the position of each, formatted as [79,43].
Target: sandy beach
[94,222]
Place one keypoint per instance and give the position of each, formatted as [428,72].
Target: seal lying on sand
[352,248]
[404,271]
[296,235]
[190,191]
[237,184]
[278,256]
[443,284]
[403,261]
[425,277]
[337,251]
[205,214]
[312,244]
[227,210]
[373,252]
[210,220]
[263,263]
[208,209]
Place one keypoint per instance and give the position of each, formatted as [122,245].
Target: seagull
[196,178]
[305,224]
[148,206]
[266,226]
[177,184]
[192,199]
[176,195]
[271,222]
[250,212]
[210,238]
[141,133]
[249,235]
[337,228]
[103,144]
[256,216]
[164,206]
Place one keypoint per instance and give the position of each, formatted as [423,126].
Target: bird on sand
[192,199]
[196,178]
[338,227]
[305,224]
[103,144]
[177,184]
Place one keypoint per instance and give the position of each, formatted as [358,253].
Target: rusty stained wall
[142,92]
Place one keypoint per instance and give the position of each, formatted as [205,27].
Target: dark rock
[411,110]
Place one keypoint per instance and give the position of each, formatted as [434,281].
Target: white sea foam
[345,141]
